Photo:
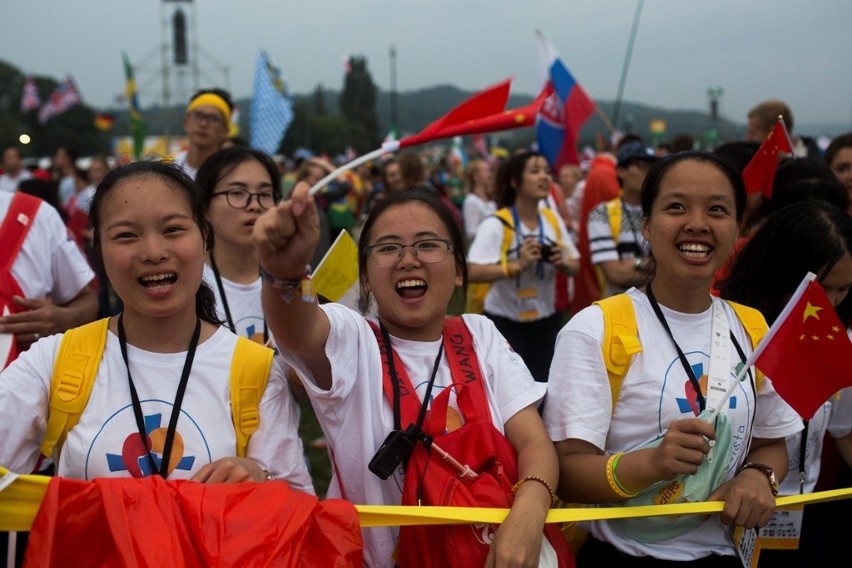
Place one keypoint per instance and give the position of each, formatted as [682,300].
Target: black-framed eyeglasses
[240,199]
[429,251]
[208,117]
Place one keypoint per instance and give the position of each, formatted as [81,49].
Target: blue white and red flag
[563,113]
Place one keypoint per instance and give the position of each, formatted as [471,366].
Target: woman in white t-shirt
[160,400]
[238,184]
[411,258]
[692,203]
[522,298]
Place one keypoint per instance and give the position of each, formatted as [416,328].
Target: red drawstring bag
[150,522]
[432,480]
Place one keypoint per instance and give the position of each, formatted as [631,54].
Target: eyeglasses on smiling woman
[429,251]
[240,199]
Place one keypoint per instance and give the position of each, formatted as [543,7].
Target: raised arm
[285,237]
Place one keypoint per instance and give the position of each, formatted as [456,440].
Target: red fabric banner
[150,522]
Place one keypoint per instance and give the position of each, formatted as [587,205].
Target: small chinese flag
[506,120]
[759,174]
[807,352]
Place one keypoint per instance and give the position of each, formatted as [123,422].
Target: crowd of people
[610,304]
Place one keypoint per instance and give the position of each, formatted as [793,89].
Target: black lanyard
[163,470]
[397,419]
[225,306]
[686,366]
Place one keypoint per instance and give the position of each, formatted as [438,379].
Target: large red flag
[759,174]
[505,120]
[484,103]
[807,352]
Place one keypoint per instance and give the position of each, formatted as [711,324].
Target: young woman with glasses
[238,185]
[411,257]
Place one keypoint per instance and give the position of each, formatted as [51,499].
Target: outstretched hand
[286,235]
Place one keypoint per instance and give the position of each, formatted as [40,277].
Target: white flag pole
[387,148]
[782,317]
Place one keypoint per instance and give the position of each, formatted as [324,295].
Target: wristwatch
[770,474]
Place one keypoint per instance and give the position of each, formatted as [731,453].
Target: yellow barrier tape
[20,500]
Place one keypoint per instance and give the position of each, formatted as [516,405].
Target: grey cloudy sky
[796,50]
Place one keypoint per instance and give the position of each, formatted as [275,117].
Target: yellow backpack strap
[755,326]
[74,373]
[505,217]
[250,369]
[613,211]
[620,339]
[551,218]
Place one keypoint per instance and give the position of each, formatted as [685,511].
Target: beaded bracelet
[540,480]
[613,481]
[291,288]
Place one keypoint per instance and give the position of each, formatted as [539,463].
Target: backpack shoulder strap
[755,326]
[74,373]
[16,225]
[550,215]
[250,369]
[620,339]
[505,217]
[614,212]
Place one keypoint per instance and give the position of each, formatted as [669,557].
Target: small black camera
[546,251]
[395,450]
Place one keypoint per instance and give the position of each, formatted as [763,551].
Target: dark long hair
[428,197]
[808,236]
[205,300]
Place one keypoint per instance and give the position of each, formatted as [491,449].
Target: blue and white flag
[271,109]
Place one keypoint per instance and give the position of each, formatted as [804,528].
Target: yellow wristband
[613,481]
[538,479]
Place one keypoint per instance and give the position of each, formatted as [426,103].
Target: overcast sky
[798,51]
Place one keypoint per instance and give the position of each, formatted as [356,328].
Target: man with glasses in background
[207,124]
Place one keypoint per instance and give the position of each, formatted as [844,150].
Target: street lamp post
[393,124]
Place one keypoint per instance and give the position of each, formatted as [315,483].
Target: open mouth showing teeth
[158,280]
[694,250]
[413,288]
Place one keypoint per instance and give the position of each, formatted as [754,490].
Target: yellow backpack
[621,344]
[77,364]
[476,291]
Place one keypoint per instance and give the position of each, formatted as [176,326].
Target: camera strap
[464,369]
[400,380]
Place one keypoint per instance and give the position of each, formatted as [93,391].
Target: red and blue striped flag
[563,113]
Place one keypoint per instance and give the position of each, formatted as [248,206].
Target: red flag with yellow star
[807,352]
[506,120]
[759,174]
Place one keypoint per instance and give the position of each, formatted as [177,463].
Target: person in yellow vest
[668,432]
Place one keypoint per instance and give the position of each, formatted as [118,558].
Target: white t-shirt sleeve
[579,399]
[24,393]
[485,248]
[50,263]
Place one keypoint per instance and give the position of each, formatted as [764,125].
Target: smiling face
[412,296]
[691,228]
[152,248]
[232,227]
